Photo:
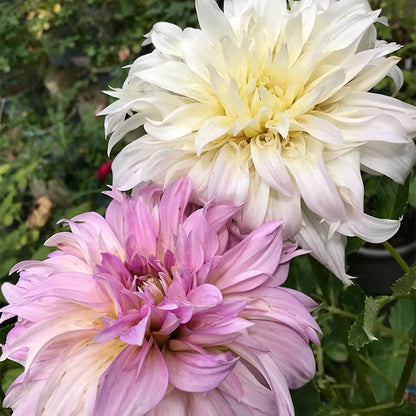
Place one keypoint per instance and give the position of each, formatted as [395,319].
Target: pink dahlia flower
[160,308]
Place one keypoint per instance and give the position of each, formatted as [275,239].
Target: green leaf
[402,315]
[412,191]
[388,374]
[306,400]
[353,244]
[391,198]
[353,299]
[406,409]
[3,333]
[405,284]
[10,374]
[362,330]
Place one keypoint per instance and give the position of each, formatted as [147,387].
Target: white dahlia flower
[269,106]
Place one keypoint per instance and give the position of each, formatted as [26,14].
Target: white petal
[200,173]
[167,38]
[381,127]
[390,159]
[330,252]
[286,208]
[125,127]
[212,129]
[212,20]
[345,172]
[319,128]
[254,210]
[371,75]
[178,78]
[269,164]
[356,104]
[182,121]
[371,229]
[127,166]
[316,186]
[229,178]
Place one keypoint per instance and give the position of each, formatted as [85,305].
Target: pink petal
[260,251]
[288,349]
[175,403]
[196,372]
[188,250]
[198,224]
[171,210]
[205,296]
[272,374]
[139,223]
[211,403]
[125,385]
[249,393]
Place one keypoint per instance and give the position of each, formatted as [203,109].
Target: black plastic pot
[376,269]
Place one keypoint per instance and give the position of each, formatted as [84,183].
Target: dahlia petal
[394,161]
[76,287]
[370,76]
[178,78]
[273,376]
[175,403]
[212,20]
[23,399]
[210,403]
[198,373]
[219,214]
[212,129]
[135,372]
[329,251]
[73,379]
[139,222]
[270,166]
[321,129]
[291,352]
[306,301]
[358,103]
[228,165]
[371,229]
[189,251]
[254,210]
[255,398]
[205,295]
[345,172]
[167,38]
[190,116]
[310,170]
[171,210]
[132,123]
[381,127]
[205,233]
[285,208]
[126,168]
[280,306]
[250,255]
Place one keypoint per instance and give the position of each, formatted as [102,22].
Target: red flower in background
[103,170]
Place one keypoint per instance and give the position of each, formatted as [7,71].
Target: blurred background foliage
[56,58]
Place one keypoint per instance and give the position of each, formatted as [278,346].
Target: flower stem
[358,365]
[377,408]
[407,372]
[341,322]
[396,256]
